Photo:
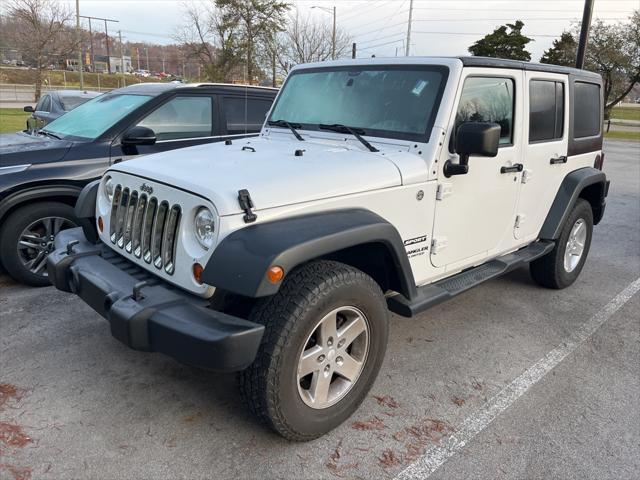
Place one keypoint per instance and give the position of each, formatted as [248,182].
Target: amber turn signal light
[275,274]
[100,224]
[197,272]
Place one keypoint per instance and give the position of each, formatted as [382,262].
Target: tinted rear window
[546,110]
[586,110]
[245,115]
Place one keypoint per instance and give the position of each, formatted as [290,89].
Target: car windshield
[383,101]
[93,118]
[69,102]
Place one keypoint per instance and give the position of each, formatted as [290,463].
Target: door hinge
[443,191]
[520,219]
[527,175]
[438,244]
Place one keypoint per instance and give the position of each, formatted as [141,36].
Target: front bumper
[156,317]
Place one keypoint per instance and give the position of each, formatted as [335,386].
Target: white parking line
[436,456]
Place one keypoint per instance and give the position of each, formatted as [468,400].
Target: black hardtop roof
[158,88]
[522,65]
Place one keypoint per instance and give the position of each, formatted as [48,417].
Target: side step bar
[438,292]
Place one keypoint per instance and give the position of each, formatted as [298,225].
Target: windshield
[384,101]
[93,118]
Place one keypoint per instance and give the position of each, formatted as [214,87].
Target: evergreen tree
[506,41]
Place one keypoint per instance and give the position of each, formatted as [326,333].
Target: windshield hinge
[246,204]
[443,191]
[438,244]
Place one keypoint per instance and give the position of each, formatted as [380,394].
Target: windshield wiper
[290,126]
[356,132]
[49,134]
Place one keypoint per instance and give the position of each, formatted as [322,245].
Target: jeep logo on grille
[146,188]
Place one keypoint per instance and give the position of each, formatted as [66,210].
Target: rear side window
[488,99]
[44,105]
[546,110]
[181,117]
[245,115]
[586,110]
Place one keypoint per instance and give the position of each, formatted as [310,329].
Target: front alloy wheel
[325,336]
[37,241]
[333,357]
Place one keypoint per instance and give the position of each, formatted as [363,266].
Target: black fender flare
[85,210]
[240,262]
[36,193]
[570,190]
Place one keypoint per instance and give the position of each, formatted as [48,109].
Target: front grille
[145,227]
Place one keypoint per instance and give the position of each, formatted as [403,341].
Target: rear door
[474,213]
[243,115]
[546,127]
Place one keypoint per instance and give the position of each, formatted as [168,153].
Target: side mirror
[473,138]
[139,136]
[28,109]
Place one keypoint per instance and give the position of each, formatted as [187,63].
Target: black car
[55,104]
[42,174]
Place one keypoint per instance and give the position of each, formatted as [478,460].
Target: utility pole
[353,50]
[93,60]
[79,40]
[273,67]
[146,52]
[138,56]
[409,28]
[124,80]
[584,33]
[333,39]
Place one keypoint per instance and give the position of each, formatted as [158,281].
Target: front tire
[27,237]
[562,266]
[325,337]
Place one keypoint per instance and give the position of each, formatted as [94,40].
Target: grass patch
[623,135]
[12,120]
[626,113]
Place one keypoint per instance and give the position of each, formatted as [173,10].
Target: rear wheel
[325,338]
[28,237]
[561,267]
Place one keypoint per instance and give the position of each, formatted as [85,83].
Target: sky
[439,27]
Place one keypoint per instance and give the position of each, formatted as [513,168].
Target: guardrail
[11,92]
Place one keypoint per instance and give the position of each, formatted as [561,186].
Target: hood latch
[246,204]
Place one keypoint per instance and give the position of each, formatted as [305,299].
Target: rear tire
[298,338]
[14,228]
[562,266]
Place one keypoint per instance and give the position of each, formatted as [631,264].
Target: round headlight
[205,227]
[109,187]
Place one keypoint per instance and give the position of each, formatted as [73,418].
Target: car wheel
[28,237]
[325,337]
[561,267]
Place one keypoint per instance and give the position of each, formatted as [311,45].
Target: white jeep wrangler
[375,185]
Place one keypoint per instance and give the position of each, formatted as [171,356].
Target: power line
[485,33]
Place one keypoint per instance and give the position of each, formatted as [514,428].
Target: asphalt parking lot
[467,389]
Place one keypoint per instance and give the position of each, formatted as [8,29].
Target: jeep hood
[269,169]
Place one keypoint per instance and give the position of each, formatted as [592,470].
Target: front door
[475,212]
[182,121]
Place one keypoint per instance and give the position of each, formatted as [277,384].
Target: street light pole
[78,39]
[333,35]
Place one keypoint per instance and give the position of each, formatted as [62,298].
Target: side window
[546,110]
[181,117]
[488,99]
[245,115]
[586,110]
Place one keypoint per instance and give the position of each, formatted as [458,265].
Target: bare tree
[308,40]
[210,38]
[45,33]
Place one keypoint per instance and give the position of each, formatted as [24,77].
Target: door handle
[556,160]
[516,167]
